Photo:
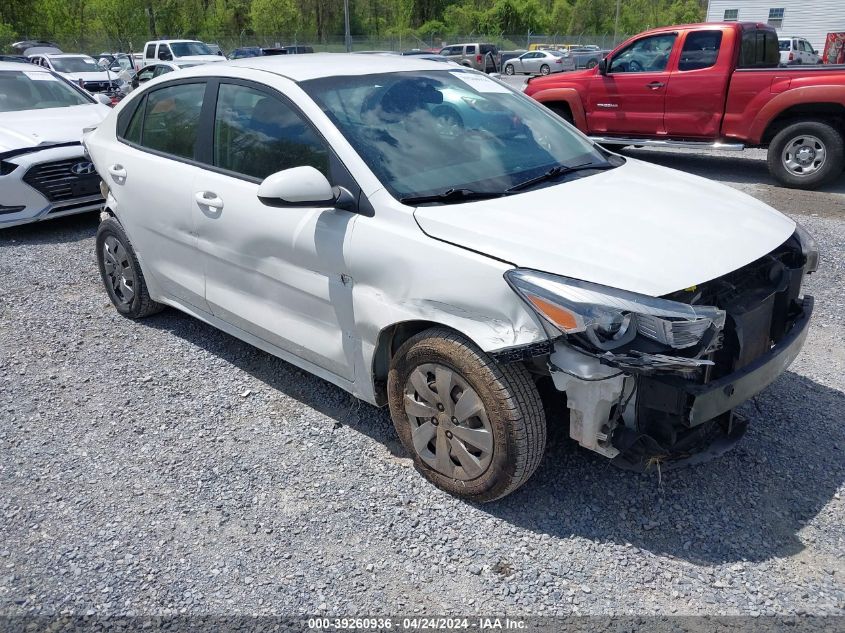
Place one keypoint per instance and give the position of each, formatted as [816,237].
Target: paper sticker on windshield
[39,76]
[481,83]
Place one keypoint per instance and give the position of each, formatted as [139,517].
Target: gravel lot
[164,467]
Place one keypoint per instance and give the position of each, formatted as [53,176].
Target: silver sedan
[533,62]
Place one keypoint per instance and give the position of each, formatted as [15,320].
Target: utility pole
[346,23]
[616,24]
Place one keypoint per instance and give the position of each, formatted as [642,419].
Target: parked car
[157,70]
[797,50]
[483,57]
[583,57]
[20,59]
[43,171]
[726,91]
[215,48]
[179,52]
[335,224]
[541,62]
[258,51]
[31,47]
[82,70]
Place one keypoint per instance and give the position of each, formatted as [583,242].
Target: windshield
[185,49]
[75,65]
[36,90]
[428,132]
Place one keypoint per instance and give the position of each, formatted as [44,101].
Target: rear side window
[133,130]
[759,49]
[256,134]
[488,48]
[171,119]
[471,50]
[151,51]
[701,48]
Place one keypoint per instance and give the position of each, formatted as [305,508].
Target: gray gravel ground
[164,467]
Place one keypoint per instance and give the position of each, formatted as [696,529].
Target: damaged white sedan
[429,239]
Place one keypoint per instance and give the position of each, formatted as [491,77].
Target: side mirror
[603,64]
[297,187]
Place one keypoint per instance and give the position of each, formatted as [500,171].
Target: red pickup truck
[714,85]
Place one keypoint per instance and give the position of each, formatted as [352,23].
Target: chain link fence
[98,43]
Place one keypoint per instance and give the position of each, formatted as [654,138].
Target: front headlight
[809,248]
[610,318]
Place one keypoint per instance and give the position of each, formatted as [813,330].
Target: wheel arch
[568,98]
[812,102]
[388,342]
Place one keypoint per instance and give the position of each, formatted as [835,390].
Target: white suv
[43,171]
[797,50]
[430,239]
[179,52]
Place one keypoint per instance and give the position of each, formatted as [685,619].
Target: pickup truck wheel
[806,155]
[473,427]
[121,272]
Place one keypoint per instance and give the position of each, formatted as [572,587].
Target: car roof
[171,41]
[63,55]
[317,65]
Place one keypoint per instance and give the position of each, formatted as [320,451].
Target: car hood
[95,76]
[31,128]
[638,227]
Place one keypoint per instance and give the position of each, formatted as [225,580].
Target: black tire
[511,406]
[592,64]
[545,70]
[140,304]
[830,169]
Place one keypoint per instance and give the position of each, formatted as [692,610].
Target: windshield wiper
[452,195]
[556,172]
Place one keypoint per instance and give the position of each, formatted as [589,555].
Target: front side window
[164,52]
[776,18]
[36,90]
[701,49]
[649,54]
[186,49]
[731,15]
[171,119]
[257,134]
[151,51]
[147,74]
[75,65]
[161,69]
[427,132]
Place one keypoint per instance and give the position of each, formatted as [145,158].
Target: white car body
[797,50]
[95,81]
[158,50]
[326,289]
[52,193]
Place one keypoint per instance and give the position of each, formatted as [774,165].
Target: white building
[810,19]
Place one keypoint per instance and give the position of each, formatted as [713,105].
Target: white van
[179,51]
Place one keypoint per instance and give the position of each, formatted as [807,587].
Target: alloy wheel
[804,155]
[450,429]
[119,271]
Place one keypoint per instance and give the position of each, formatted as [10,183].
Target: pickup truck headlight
[610,318]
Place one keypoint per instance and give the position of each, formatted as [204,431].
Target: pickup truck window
[759,49]
[649,54]
[701,48]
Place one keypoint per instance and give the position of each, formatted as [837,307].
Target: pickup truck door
[630,99]
[695,98]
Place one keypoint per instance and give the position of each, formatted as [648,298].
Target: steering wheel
[635,67]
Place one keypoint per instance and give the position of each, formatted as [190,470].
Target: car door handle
[208,199]
[117,171]
[654,85]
